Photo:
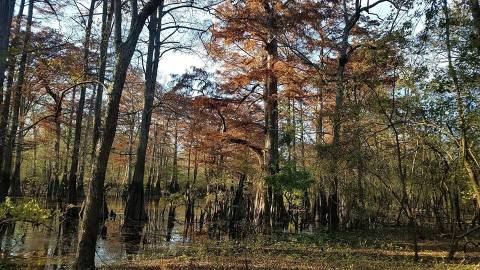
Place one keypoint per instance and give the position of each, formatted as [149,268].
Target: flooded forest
[239,134]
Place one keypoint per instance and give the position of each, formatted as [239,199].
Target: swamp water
[52,246]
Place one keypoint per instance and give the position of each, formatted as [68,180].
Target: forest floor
[385,249]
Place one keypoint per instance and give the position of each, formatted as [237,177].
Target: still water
[53,246]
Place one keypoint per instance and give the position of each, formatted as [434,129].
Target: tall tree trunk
[302,135]
[359,162]
[56,165]
[69,137]
[92,215]
[274,208]
[343,58]
[15,189]
[291,126]
[53,186]
[135,207]
[333,216]
[5,177]
[162,161]
[6,14]
[174,187]
[35,136]
[107,15]
[238,210]
[84,151]
[72,178]
[131,139]
[6,98]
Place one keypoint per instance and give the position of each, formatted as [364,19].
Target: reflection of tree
[7,233]
[131,236]
[170,221]
[65,236]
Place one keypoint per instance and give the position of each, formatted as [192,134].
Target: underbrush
[382,249]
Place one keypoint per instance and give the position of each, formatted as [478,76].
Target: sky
[172,62]
[177,63]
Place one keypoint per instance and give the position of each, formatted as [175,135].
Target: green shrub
[29,211]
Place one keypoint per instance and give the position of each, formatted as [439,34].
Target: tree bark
[6,14]
[5,177]
[56,166]
[92,216]
[107,15]
[6,98]
[174,187]
[343,58]
[53,191]
[274,207]
[69,137]
[16,189]
[35,136]
[135,206]
[72,178]
[333,217]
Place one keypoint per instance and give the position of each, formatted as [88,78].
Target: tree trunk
[106,23]
[131,138]
[72,178]
[333,217]
[92,216]
[302,135]
[343,58]
[6,98]
[135,207]
[69,137]
[238,208]
[6,14]
[152,175]
[274,207]
[5,177]
[15,189]
[35,136]
[174,186]
[359,162]
[56,166]
[53,191]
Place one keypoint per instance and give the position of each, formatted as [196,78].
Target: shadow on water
[52,246]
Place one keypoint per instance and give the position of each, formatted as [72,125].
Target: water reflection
[53,246]
[132,236]
[170,222]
